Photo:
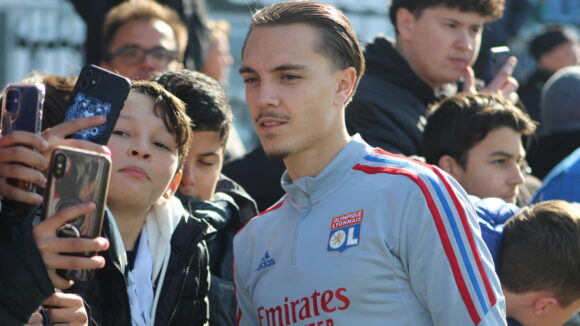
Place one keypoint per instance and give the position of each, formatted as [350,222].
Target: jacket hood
[384,60]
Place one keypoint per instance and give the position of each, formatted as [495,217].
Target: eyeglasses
[133,54]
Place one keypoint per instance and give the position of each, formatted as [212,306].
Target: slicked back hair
[337,40]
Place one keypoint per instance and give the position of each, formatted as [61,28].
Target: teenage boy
[538,268]
[156,270]
[476,138]
[141,38]
[437,41]
[362,236]
[204,189]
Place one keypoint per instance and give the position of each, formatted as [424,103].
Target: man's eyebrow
[501,153]
[248,70]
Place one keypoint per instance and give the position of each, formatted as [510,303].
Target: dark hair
[489,9]
[146,10]
[338,40]
[204,98]
[172,112]
[459,122]
[540,251]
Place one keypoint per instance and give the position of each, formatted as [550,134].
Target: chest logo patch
[345,231]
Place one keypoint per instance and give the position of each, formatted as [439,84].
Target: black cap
[551,37]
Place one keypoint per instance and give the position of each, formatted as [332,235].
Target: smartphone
[498,56]
[22,110]
[97,92]
[77,176]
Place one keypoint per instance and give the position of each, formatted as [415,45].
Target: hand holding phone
[77,176]
[498,76]
[22,111]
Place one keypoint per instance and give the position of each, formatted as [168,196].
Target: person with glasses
[141,38]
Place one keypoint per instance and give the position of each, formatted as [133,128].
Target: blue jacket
[563,182]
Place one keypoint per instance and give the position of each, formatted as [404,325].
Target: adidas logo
[266,261]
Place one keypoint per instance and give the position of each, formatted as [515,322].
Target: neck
[312,161]
[405,52]
[130,224]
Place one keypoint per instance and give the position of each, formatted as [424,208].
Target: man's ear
[346,81]
[449,165]
[544,304]
[405,23]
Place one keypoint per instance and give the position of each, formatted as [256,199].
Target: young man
[156,271]
[362,236]
[437,42]
[204,189]
[539,259]
[141,38]
[477,140]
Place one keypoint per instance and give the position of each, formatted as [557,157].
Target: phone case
[498,56]
[22,107]
[22,110]
[97,92]
[77,176]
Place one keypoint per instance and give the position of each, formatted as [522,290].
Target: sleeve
[449,267]
[245,315]
[24,282]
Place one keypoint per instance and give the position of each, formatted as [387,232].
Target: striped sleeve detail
[443,203]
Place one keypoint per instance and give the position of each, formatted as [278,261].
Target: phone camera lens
[59,166]
[84,84]
[12,100]
[88,74]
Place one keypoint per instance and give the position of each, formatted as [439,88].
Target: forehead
[146,33]
[502,139]
[271,46]
[442,12]
[206,141]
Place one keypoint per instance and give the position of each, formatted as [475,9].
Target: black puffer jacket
[231,208]
[390,104]
[24,282]
[183,298]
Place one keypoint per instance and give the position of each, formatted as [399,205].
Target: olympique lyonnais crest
[345,231]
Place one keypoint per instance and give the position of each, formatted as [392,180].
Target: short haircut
[540,251]
[488,9]
[146,10]
[338,40]
[459,122]
[171,110]
[205,100]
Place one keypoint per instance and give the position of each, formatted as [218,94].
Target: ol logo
[345,231]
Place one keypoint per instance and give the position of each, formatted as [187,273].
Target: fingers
[502,76]
[19,195]
[59,282]
[75,245]
[52,223]
[70,127]
[21,172]
[23,138]
[83,144]
[68,309]
[23,155]
[35,319]
[469,81]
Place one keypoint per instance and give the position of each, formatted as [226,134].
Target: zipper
[297,228]
[198,238]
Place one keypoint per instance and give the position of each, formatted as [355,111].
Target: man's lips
[269,123]
[135,172]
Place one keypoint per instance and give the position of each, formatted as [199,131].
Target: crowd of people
[395,188]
